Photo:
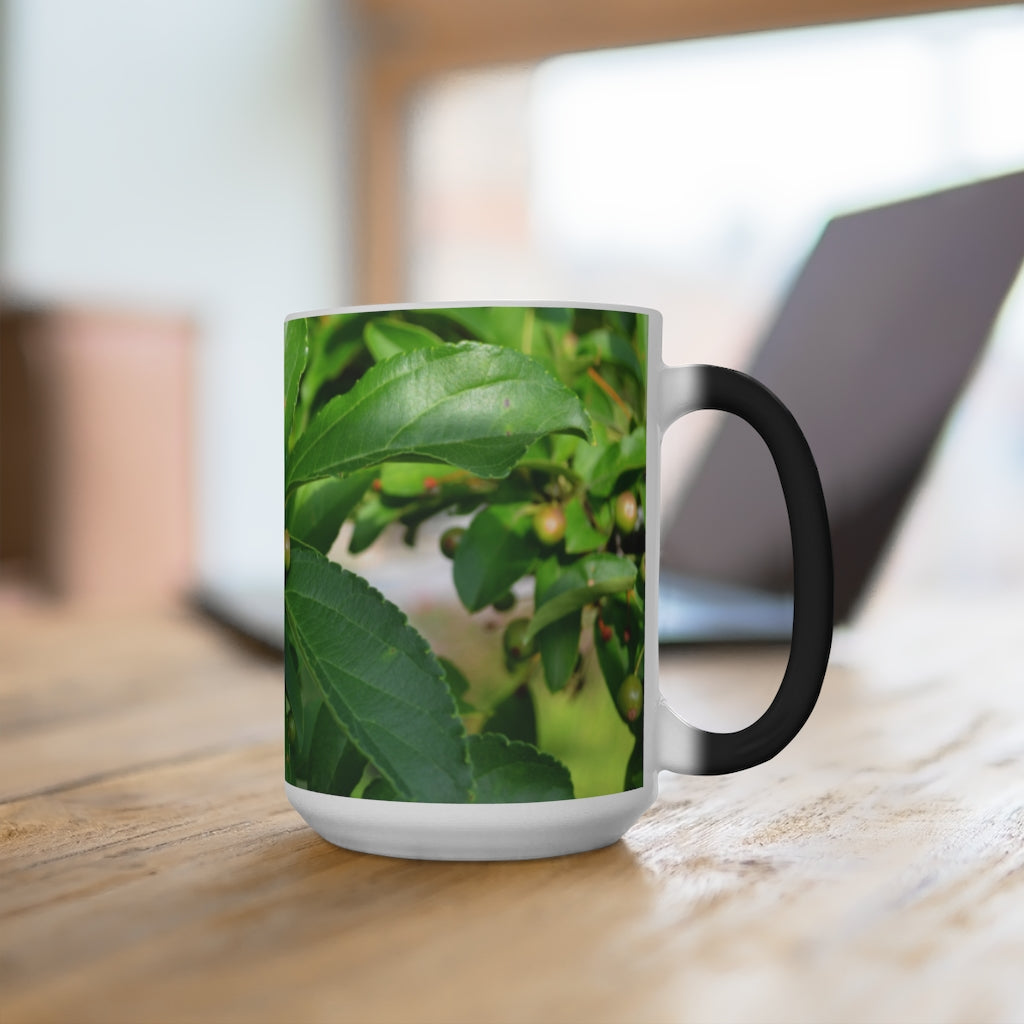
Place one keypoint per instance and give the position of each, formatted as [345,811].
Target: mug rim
[384,307]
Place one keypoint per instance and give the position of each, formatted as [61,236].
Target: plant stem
[609,391]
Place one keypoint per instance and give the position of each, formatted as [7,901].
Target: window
[693,176]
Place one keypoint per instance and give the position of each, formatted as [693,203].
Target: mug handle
[685,748]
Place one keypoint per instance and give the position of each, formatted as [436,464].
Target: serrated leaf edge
[434,669]
[326,417]
[545,758]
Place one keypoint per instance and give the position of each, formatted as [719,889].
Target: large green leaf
[334,765]
[296,347]
[388,337]
[379,679]
[510,771]
[321,506]
[475,406]
[496,550]
[580,584]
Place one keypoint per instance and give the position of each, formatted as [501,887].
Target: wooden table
[151,868]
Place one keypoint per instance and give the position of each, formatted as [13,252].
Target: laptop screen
[870,350]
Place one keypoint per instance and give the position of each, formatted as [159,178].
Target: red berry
[429,483]
[606,631]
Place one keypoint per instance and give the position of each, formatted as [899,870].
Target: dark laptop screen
[870,350]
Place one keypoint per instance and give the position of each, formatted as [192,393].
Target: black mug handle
[686,748]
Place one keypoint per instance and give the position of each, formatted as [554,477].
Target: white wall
[188,155]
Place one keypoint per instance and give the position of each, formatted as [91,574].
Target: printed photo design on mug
[464,553]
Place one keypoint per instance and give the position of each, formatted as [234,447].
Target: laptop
[870,349]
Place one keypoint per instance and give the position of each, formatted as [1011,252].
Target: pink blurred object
[95,453]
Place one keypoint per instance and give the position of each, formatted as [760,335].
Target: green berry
[630,699]
[517,645]
[450,541]
[626,511]
[549,524]
[505,602]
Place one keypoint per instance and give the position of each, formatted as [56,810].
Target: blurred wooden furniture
[153,870]
[96,452]
[402,44]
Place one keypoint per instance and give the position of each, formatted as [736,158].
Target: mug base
[471,831]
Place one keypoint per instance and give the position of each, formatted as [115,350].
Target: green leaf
[296,348]
[558,643]
[458,684]
[326,363]
[496,550]
[321,506]
[613,653]
[293,689]
[515,717]
[559,646]
[635,767]
[370,522]
[608,347]
[475,319]
[580,534]
[513,326]
[581,584]
[388,337]
[417,479]
[557,320]
[510,771]
[380,789]
[335,766]
[334,343]
[378,677]
[627,455]
[470,405]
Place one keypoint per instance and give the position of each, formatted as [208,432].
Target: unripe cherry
[630,698]
[450,541]
[626,511]
[549,524]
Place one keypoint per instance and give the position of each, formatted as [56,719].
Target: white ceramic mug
[471,570]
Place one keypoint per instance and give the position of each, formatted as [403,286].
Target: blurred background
[175,178]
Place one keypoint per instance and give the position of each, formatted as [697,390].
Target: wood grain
[152,869]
